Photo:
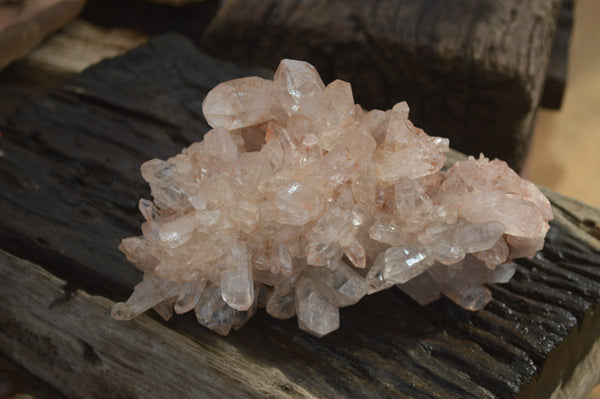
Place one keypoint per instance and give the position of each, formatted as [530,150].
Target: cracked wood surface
[68,338]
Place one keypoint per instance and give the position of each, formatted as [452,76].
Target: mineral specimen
[301,202]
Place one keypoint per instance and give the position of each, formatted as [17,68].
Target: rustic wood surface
[68,337]
[77,46]
[471,70]
[69,172]
[145,105]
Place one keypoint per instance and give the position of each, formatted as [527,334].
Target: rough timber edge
[585,375]
[582,220]
[69,340]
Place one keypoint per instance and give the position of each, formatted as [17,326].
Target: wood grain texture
[68,338]
[470,70]
[80,45]
[70,184]
[75,155]
[68,51]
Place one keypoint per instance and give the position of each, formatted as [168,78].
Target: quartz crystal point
[301,202]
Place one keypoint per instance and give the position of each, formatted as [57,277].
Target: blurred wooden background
[565,154]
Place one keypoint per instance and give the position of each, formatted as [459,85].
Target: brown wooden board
[70,182]
[189,18]
[556,76]
[470,70]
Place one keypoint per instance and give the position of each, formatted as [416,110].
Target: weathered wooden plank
[70,179]
[80,45]
[581,219]
[69,339]
[472,70]
[23,26]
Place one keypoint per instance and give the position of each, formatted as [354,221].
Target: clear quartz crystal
[375,277]
[406,262]
[423,289]
[297,204]
[356,254]
[300,201]
[282,259]
[468,296]
[147,294]
[213,312]
[316,314]
[239,103]
[321,254]
[470,271]
[236,279]
[189,295]
[281,302]
[344,286]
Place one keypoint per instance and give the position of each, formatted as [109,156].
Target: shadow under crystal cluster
[301,202]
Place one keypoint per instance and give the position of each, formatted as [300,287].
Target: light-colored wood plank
[81,44]
[23,26]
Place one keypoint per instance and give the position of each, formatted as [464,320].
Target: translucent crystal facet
[405,262]
[301,202]
[316,314]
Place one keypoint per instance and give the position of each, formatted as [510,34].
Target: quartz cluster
[301,202]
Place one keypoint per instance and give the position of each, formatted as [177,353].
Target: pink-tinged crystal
[297,204]
[321,254]
[239,103]
[236,278]
[342,285]
[423,289]
[147,294]
[281,302]
[316,314]
[468,296]
[189,296]
[300,201]
[356,254]
[300,89]
[406,262]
